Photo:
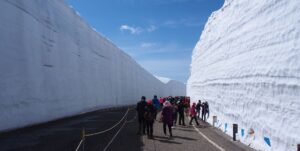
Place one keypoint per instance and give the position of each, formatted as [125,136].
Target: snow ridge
[53,65]
[247,66]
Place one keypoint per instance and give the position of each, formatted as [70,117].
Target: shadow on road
[65,134]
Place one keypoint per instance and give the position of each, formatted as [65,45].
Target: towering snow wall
[247,66]
[52,65]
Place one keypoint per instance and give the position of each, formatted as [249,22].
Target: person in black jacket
[205,110]
[181,113]
[140,108]
[198,108]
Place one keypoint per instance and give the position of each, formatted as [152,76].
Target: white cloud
[137,30]
[151,28]
[167,60]
[170,23]
[133,30]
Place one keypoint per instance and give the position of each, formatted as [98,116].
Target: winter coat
[167,115]
[140,108]
[150,112]
[193,111]
[156,103]
[198,106]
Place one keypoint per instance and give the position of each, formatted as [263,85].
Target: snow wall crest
[53,65]
[247,66]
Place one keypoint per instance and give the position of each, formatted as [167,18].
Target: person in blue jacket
[156,104]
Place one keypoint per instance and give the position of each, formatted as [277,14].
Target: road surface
[65,135]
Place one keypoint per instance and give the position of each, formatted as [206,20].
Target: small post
[235,130]
[214,120]
[83,137]
[298,147]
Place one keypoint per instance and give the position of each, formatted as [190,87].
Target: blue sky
[159,34]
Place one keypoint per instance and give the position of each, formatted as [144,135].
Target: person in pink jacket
[193,114]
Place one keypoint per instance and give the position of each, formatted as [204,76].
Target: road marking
[213,143]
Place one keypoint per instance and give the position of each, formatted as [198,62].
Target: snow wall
[247,66]
[53,65]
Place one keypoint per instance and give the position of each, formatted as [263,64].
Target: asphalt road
[65,135]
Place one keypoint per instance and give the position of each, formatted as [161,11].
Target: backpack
[148,116]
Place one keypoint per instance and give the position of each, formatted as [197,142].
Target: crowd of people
[172,110]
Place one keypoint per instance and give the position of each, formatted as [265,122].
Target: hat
[149,102]
[167,103]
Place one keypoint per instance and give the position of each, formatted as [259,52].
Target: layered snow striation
[53,65]
[247,66]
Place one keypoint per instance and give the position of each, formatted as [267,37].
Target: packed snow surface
[53,65]
[247,66]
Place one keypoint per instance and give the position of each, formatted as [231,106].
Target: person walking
[140,108]
[193,114]
[205,110]
[167,117]
[198,108]
[175,112]
[181,113]
[161,100]
[149,115]
[156,104]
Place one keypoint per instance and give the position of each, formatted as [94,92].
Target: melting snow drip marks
[48,65]
[99,55]
[19,4]
[13,3]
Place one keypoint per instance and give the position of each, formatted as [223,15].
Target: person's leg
[200,114]
[148,128]
[174,120]
[180,117]
[164,127]
[170,130]
[144,126]
[191,120]
[183,120]
[140,125]
[176,116]
[151,129]
[196,121]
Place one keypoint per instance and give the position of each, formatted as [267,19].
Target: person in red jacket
[193,114]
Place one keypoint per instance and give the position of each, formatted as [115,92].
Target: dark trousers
[174,118]
[198,114]
[165,128]
[194,118]
[203,116]
[142,125]
[149,127]
[181,119]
